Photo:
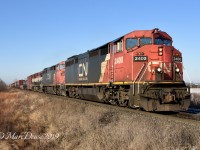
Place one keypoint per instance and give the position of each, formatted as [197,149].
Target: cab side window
[119,46]
[57,67]
[62,66]
[131,42]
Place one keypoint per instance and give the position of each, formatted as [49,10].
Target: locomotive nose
[167,59]
[161,62]
[167,53]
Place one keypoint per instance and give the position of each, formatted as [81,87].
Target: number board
[177,59]
[140,58]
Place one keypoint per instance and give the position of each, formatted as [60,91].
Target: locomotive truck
[139,70]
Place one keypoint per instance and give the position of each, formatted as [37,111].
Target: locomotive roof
[148,33]
[113,41]
[136,33]
[74,56]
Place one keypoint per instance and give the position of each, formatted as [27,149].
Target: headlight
[159,69]
[160,49]
[177,70]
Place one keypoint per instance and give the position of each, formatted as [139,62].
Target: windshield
[145,41]
[160,41]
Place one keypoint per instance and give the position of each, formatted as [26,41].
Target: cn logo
[83,69]
[48,76]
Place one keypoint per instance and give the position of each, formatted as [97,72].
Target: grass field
[74,125]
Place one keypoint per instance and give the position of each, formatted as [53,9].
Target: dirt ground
[31,120]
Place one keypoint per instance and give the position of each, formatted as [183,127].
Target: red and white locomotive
[140,69]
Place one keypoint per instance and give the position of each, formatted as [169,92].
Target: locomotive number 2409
[140,58]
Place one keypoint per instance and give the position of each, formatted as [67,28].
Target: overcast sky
[35,34]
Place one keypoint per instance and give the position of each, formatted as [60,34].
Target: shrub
[195,100]
[2,85]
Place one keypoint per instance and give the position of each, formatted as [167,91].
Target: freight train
[139,70]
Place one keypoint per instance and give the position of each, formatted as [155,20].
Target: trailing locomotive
[140,69]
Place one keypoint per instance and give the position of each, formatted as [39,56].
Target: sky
[35,34]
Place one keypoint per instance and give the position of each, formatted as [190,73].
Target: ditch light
[160,51]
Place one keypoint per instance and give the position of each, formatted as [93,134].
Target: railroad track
[192,114]
[193,110]
[187,115]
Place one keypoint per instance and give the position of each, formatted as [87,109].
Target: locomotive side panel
[92,71]
[29,82]
[48,75]
[94,67]
[36,81]
[37,78]
[97,66]
[59,77]
[82,68]
[68,72]
[104,64]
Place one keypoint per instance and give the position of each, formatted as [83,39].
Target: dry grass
[85,126]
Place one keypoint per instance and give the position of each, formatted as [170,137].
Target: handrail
[187,75]
[141,78]
[137,77]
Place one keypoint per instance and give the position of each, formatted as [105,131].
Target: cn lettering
[83,69]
